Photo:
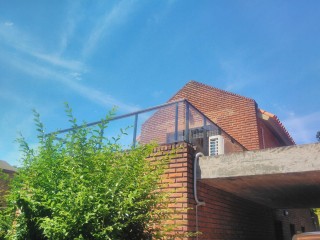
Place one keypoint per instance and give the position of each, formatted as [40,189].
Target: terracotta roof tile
[224,108]
[276,119]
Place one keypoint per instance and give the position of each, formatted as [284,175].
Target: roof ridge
[220,90]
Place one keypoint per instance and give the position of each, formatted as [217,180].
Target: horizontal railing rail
[181,116]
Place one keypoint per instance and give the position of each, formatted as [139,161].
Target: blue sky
[137,54]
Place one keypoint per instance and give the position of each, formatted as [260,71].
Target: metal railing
[167,123]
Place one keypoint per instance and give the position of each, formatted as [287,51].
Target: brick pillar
[178,180]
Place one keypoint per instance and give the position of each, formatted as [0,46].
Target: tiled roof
[236,114]
[6,166]
[281,126]
[233,113]
[193,82]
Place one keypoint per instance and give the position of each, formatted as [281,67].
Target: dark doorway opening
[278,230]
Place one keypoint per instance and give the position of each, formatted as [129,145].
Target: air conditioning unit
[216,145]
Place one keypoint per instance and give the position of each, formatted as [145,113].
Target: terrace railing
[168,123]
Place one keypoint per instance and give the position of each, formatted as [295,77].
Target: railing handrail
[136,113]
[117,117]
[205,116]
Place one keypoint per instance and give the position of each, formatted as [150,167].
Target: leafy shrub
[85,186]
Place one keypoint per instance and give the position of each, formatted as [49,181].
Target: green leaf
[83,186]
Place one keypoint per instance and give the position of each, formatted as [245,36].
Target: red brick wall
[300,218]
[231,146]
[161,123]
[233,113]
[267,138]
[224,216]
[178,180]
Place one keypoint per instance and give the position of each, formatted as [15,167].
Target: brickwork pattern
[230,146]
[224,216]
[178,181]
[233,113]
[162,123]
[267,138]
[301,219]
[160,128]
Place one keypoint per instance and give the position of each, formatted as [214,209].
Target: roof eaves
[277,122]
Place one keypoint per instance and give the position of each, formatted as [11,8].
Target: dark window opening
[292,229]
[278,230]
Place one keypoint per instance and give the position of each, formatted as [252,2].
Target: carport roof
[285,177]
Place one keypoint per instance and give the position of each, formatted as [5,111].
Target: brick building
[236,172]
[5,171]
[243,127]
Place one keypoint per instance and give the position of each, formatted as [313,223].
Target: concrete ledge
[300,158]
[286,177]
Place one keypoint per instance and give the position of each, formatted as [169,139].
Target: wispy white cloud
[58,61]
[49,74]
[303,129]
[100,97]
[45,66]
[24,43]
[71,22]
[27,54]
[76,76]
[118,14]
[8,23]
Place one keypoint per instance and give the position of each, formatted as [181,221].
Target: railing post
[176,123]
[187,133]
[205,137]
[134,140]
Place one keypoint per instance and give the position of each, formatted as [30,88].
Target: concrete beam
[285,177]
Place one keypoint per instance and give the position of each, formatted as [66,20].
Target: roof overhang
[276,127]
[285,177]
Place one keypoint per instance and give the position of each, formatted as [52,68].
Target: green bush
[85,186]
[4,182]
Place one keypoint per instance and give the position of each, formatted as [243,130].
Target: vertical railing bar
[205,137]
[187,134]
[176,123]
[134,140]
